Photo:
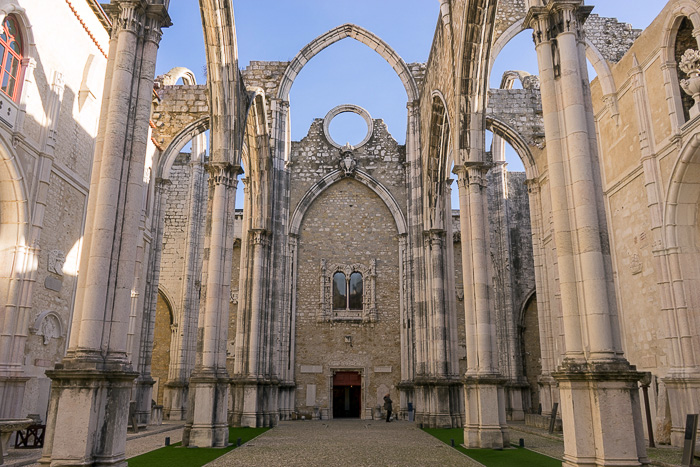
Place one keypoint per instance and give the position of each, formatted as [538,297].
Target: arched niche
[682,11]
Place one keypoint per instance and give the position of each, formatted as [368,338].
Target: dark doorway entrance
[347,394]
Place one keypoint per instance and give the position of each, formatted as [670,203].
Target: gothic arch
[168,299]
[171,77]
[335,35]
[12,8]
[366,179]
[683,194]
[14,214]
[188,133]
[517,142]
[600,65]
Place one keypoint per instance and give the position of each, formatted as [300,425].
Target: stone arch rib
[366,179]
[173,150]
[513,138]
[335,35]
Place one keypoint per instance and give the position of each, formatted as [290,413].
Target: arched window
[355,295]
[340,295]
[11,46]
[344,294]
[684,41]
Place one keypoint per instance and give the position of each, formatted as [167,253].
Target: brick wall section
[178,106]
[612,38]
[508,13]
[522,262]
[175,231]
[521,110]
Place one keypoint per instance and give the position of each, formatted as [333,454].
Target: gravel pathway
[344,443]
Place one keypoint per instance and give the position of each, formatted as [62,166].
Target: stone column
[207,424]
[91,388]
[485,425]
[598,387]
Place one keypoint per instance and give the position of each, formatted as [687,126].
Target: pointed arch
[513,138]
[171,77]
[191,131]
[363,177]
[600,65]
[335,35]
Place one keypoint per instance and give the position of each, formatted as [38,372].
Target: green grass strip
[514,457]
[175,455]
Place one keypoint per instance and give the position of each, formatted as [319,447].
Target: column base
[684,398]
[601,414]
[143,395]
[87,417]
[255,402]
[515,409]
[485,425]
[207,424]
[12,396]
[175,397]
[437,402]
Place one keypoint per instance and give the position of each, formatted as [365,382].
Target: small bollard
[167,440]
[522,443]
[238,443]
[452,442]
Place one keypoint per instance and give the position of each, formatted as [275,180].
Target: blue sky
[349,72]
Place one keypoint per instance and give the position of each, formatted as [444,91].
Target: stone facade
[552,286]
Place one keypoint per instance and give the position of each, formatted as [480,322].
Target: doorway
[347,394]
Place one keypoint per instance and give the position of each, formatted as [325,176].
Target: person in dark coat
[387,407]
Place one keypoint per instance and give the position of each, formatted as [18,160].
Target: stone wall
[347,224]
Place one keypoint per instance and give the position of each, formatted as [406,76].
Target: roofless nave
[349,274]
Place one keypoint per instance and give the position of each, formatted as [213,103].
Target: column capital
[533,185]
[259,237]
[472,173]
[223,173]
[139,17]
[557,17]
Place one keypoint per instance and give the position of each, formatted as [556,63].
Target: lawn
[515,457]
[175,455]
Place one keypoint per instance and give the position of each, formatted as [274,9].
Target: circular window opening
[348,127]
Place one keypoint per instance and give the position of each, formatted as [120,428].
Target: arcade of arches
[131,278]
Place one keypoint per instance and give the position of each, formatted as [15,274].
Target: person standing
[387,407]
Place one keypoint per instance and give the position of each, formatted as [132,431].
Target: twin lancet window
[348,292]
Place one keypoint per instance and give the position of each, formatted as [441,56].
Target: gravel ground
[344,443]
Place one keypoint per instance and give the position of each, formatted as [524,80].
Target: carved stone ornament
[690,65]
[47,325]
[368,314]
[347,163]
[636,265]
[56,260]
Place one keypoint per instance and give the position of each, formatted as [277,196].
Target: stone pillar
[598,388]
[485,425]
[207,411]
[91,388]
